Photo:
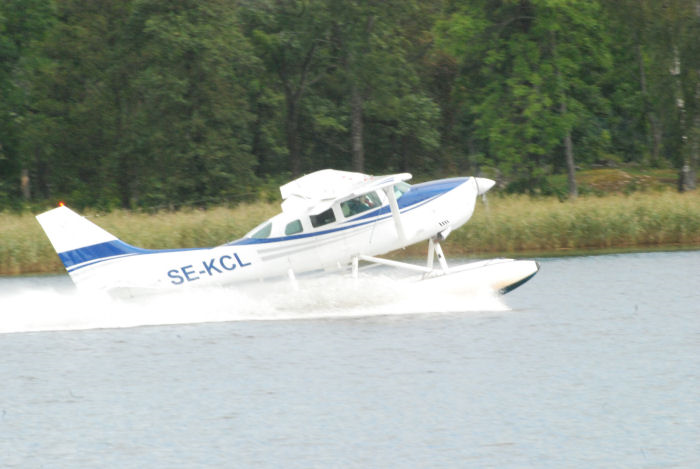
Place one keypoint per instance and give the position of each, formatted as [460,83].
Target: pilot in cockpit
[367,202]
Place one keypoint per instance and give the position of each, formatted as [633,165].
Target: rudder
[79,242]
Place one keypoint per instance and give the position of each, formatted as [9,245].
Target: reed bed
[504,225]
[516,224]
[25,249]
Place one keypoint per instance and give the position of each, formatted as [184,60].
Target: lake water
[593,363]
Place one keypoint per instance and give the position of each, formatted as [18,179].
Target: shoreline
[417,257]
[505,226]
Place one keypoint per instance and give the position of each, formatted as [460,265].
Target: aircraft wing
[317,192]
[380,182]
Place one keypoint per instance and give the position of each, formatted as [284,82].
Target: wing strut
[389,262]
[396,215]
[433,249]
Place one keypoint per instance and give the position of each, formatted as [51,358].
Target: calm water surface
[593,363]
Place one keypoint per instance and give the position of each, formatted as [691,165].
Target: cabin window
[401,188]
[293,227]
[263,232]
[360,204]
[322,218]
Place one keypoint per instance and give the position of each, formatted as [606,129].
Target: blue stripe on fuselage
[96,251]
[102,251]
[417,195]
[427,190]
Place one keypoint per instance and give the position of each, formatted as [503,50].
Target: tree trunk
[690,167]
[358,149]
[690,138]
[124,180]
[124,176]
[686,172]
[24,182]
[570,166]
[692,183]
[569,155]
[654,126]
[568,144]
[293,94]
[292,130]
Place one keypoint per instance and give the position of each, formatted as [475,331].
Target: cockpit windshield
[263,232]
[360,204]
[401,188]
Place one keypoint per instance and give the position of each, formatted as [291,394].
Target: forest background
[158,103]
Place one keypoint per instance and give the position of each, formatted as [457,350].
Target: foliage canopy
[158,103]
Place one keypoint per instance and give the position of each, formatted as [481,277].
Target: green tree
[189,119]
[634,125]
[676,47]
[22,26]
[663,38]
[7,57]
[292,39]
[529,82]
[144,102]
[379,84]
[73,133]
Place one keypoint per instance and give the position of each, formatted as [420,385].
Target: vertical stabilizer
[69,231]
[79,242]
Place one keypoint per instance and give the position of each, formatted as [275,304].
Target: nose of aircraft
[483,185]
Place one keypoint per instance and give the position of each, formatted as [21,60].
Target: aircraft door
[330,247]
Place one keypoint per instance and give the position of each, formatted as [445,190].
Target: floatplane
[330,221]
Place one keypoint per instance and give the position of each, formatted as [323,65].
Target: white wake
[51,307]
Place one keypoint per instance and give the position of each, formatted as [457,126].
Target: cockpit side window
[360,204]
[293,227]
[263,232]
[322,218]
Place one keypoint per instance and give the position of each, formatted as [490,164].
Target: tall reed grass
[521,224]
[504,225]
[24,248]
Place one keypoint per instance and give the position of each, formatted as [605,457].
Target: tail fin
[79,242]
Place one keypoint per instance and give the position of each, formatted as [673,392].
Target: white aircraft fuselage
[319,228]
